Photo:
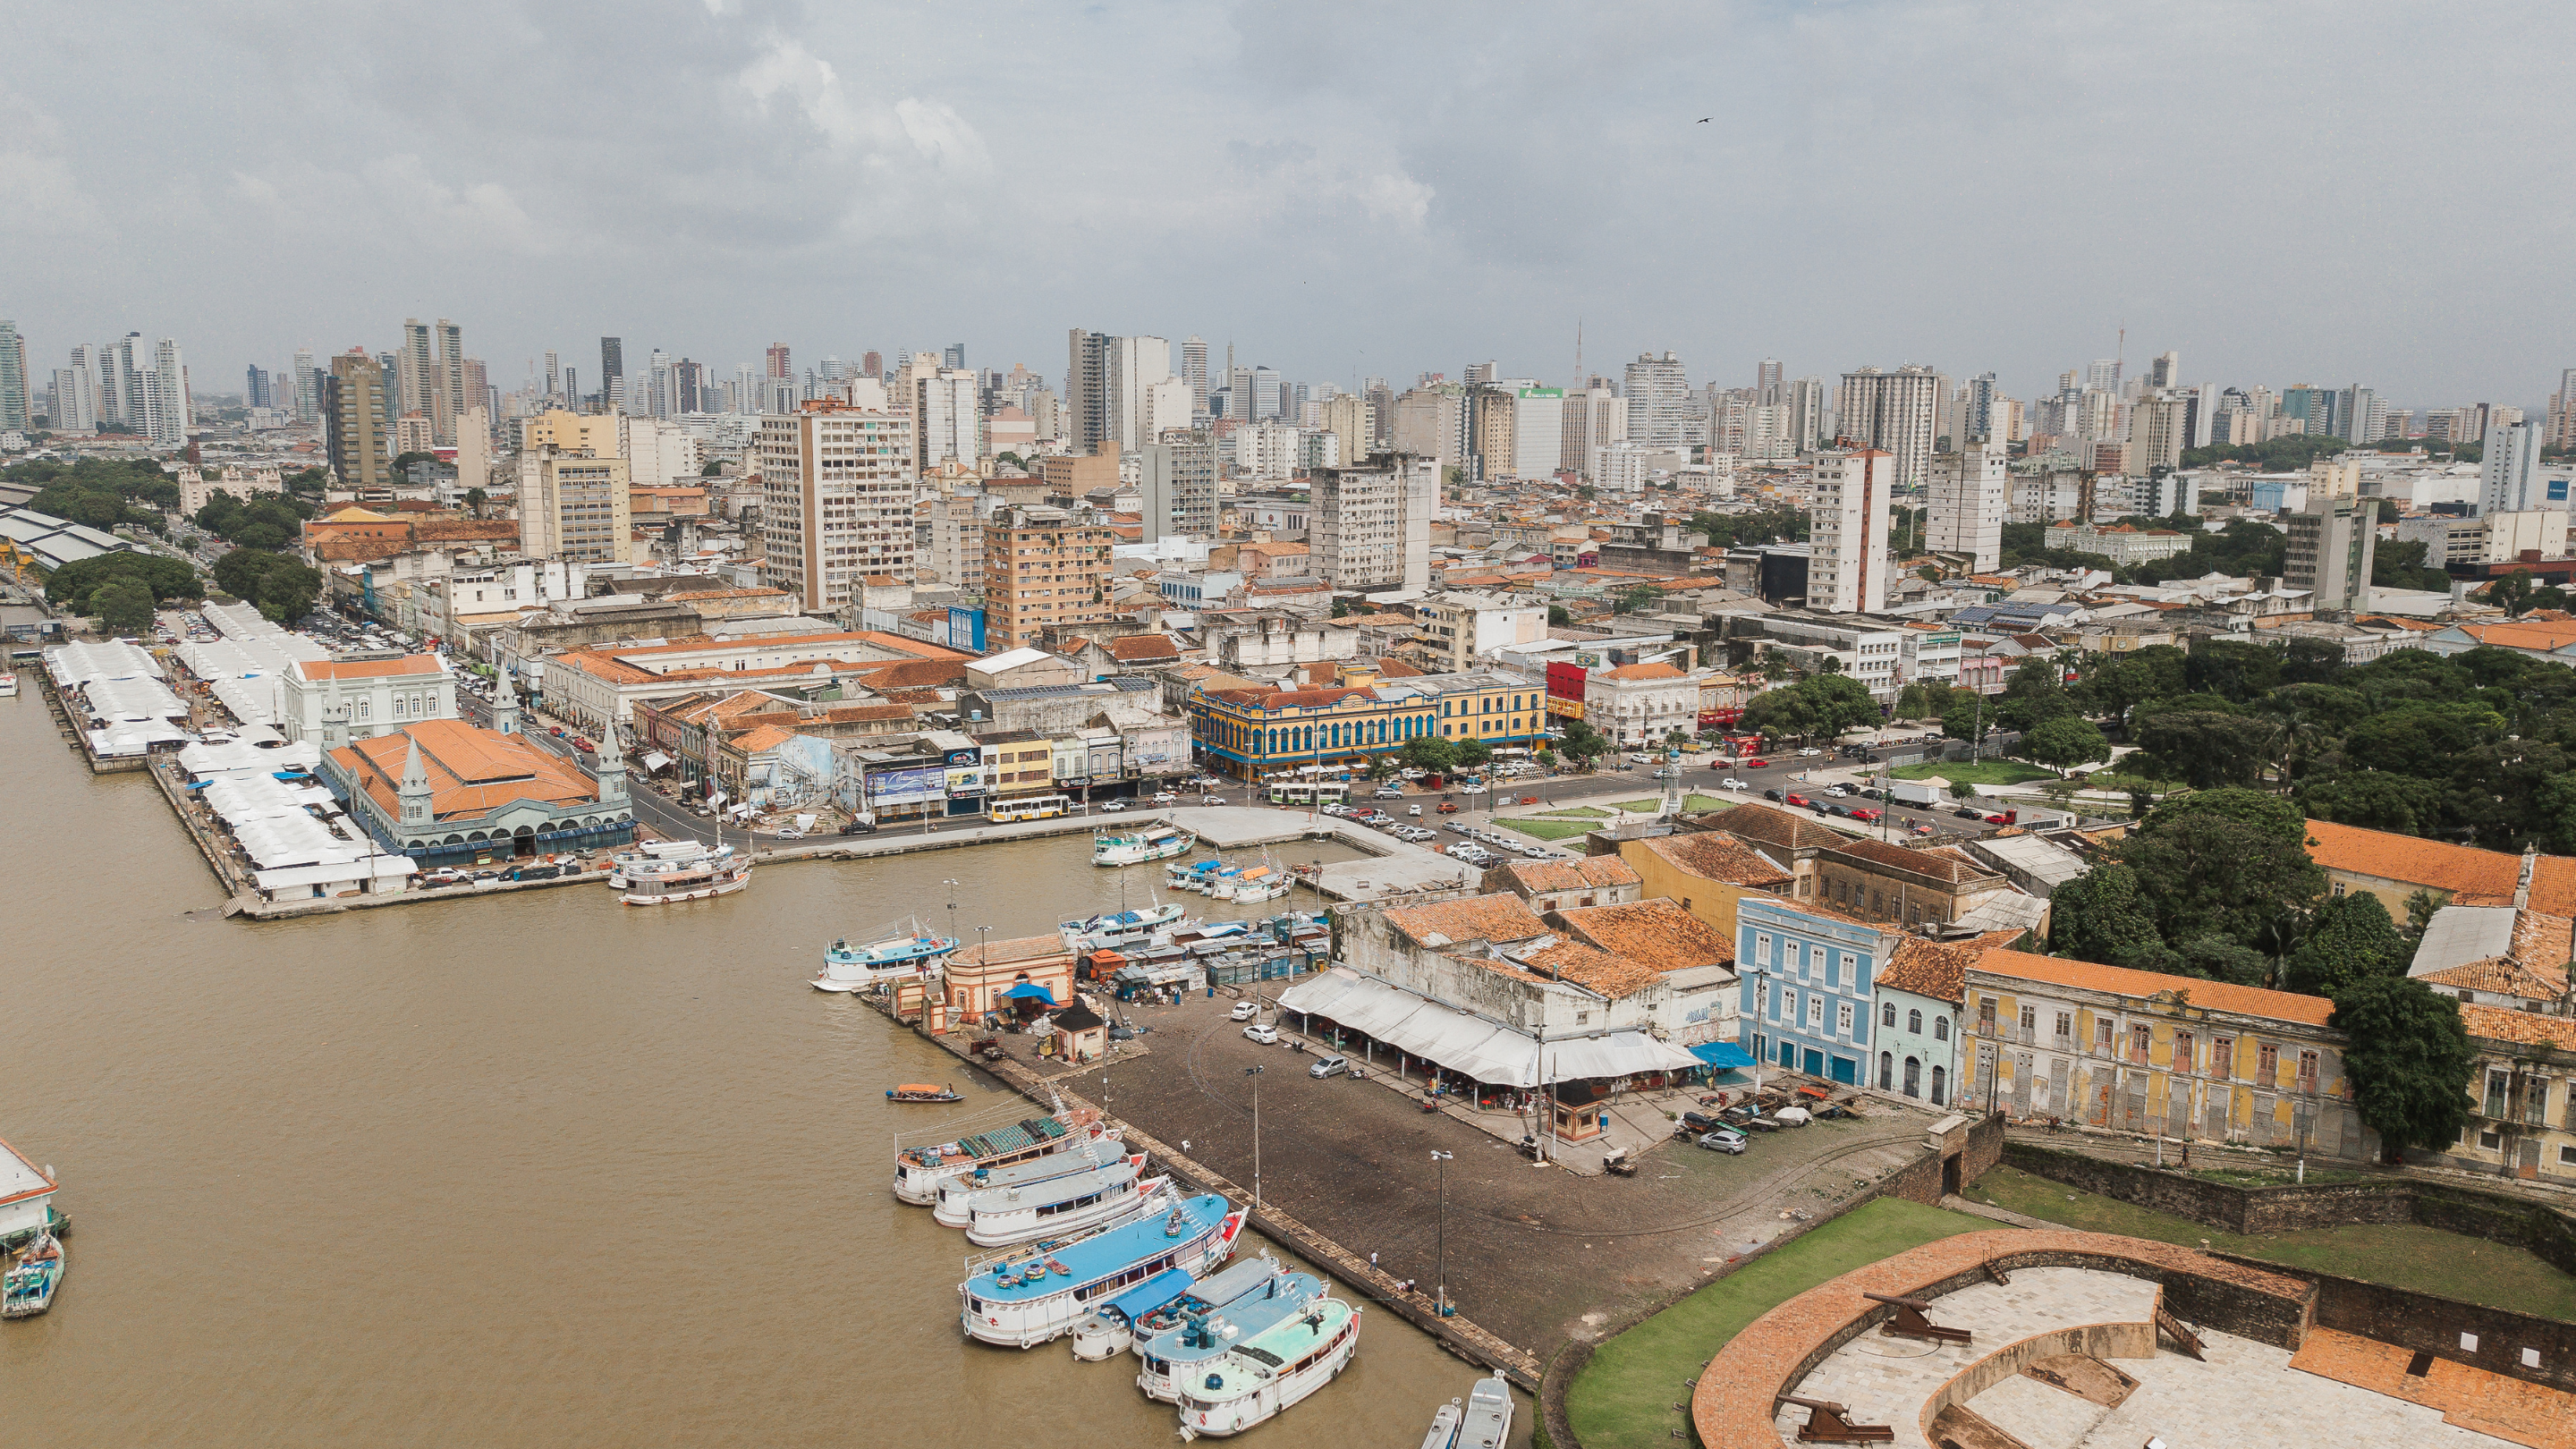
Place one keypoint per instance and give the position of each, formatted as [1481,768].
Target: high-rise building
[2312,407]
[777,362]
[1431,422]
[612,368]
[688,387]
[574,506]
[947,422]
[2165,371]
[420,377]
[76,395]
[1658,401]
[1538,432]
[258,391]
[1966,503]
[554,377]
[2331,544]
[2159,429]
[1370,525]
[2509,478]
[835,500]
[1089,356]
[1042,567]
[14,412]
[353,418]
[171,410]
[1847,569]
[1978,403]
[2562,410]
[1595,417]
[873,364]
[1808,401]
[2358,412]
[1479,374]
[1893,412]
[955,357]
[2103,375]
[1177,478]
[308,387]
[1769,387]
[1346,417]
[1194,371]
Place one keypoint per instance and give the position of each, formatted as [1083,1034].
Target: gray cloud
[2297,192]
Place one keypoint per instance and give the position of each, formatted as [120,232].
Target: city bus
[1309,792]
[1028,807]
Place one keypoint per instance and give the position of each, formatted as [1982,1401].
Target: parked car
[1389,792]
[787,832]
[555,730]
[1211,799]
[446,877]
[1809,753]
[860,827]
[1335,809]
[1262,1032]
[1244,1011]
[1731,783]
[1771,795]
[1726,1140]
[1998,819]
[1413,810]
[585,746]
[1757,764]
[1166,797]
[1331,1066]
[1799,800]
[1969,812]
[1865,813]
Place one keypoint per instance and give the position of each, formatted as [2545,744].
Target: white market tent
[1472,1045]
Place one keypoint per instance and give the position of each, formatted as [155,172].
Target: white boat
[1195,875]
[1020,1299]
[912,953]
[1175,1342]
[949,1209]
[919,1171]
[1266,1373]
[1444,1427]
[999,1217]
[27,1284]
[1487,1424]
[664,871]
[1135,847]
[1118,927]
[1261,883]
[1163,1303]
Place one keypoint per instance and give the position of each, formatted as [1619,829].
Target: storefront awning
[655,761]
[1029,991]
[1723,1054]
[1471,1045]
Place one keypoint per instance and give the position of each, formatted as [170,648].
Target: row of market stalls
[118,697]
[292,834]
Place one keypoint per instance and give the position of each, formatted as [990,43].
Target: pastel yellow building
[570,432]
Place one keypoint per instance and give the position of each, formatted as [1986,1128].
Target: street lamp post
[1255,1074]
[1440,1161]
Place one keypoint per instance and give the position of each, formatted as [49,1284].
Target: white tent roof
[1470,1044]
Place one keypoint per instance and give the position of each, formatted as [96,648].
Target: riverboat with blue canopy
[1022,1298]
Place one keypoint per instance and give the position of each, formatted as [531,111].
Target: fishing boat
[1444,1427]
[1262,883]
[998,1217]
[1173,1343]
[1195,875]
[922,1092]
[664,871]
[949,1208]
[1487,1424]
[1022,1298]
[1118,927]
[919,1171]
[910,953]
[27,1284]
[1266,1373]
[1135,847]
[1114,1327]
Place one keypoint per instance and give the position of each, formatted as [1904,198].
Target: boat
[679,870]
[1487,1424]
[1265,1374]
[1444,1427]
[1115,1326]
[27,1285]
[1020,1299]
[1118,928]
[1171,1344]
[922,1092]
[1262,883]
[907,954]
[918,1171]
[1135,847]
[1000,1216]
[8,685]
[1195,875]
[949,1208]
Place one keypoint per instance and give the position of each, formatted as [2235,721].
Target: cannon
[1909,1321]
[1826,1424]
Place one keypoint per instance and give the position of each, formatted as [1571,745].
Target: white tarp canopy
[256,750]
[375,867]
[87,659]
[270,819]
[138,697]
[1471,1045]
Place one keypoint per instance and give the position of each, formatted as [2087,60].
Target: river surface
[526,1170]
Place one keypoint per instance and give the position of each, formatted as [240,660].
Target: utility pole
[1440,1162]
[1255,1074]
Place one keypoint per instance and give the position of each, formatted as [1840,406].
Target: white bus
[1028,807]
[1309,792]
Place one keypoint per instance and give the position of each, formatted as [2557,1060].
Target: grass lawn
[2402,1255]
[1975,772]
[1624,1398]
[1692,804]
[1581,812]
[1548,829]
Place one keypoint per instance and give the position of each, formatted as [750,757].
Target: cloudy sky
[2284,193]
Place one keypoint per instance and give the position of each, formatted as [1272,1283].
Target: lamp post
[1440,1164]
[1255,1074]
[952,909]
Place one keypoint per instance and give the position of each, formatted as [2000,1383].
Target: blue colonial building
[1806,974]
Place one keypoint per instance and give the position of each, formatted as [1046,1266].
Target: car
[555,730]
[1842,810]
[1262,1032]
[1389,792]
[1771,795]
[445,877]
[1335,808]
[787,832]
[1838,788]
[1863,812]
[859,827]
[1413,810]
[1920,829]
[1244,1011]
[1969,812]
[1211,799]
[1166,797]
[1798,800]
[1998,819]
[1331,1066]
[1809,753]
[1731,783]
[1666,774]
[1113,805]
[1726,1140]
[1448,807]
[1756,764]
[585,746]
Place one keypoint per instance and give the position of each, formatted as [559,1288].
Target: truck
[1918,792]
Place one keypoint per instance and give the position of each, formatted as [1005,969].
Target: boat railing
[1045,1249]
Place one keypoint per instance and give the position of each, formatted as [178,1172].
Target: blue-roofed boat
[1119,1325]
[1264,1374]
[1023,1298]
[1175,1341]
[1112,1326]
[1195,875]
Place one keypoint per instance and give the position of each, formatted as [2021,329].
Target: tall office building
[2159,429]
[612,370]
[1979,401]
[1769,387]
[2509,478]
[947,423]
[574,506]
[429,376]
[1538,432]
[2358,412]
[1807,420]
[2103,375]
[2165,371]
[1089,357]
[308,387]
[1595,417]
[1894,412]
[1847,569]
[353,418]
[1194,371]
[14,412]
[1346,417]
[1431,422]
[835,500]
[2562,410]
[1969,489]
[447,343]
[554,378]
[75,401]
[2330,549]
[1042,567]
[955,357]
[777,363]
[170,409]
[2313,407]
[1177,478]
[1370,525]
[1110,384]
[1658,401]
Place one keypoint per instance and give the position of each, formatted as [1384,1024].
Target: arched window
[1886,1070]
[1940,1030]
[1887,1014]
[1914,1023]
[1940,1086]
[1913,1077]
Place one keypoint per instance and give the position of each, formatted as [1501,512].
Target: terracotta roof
[317,669]
[684,595]
[2523,1028]
[913,673]
[1934,969]
[1722,858]
[2504,976]
[2140,985]
[1136,647]
[2553,887]
[1771,827]
[2519,635]
[1589,967]
[1658,932]
[1526,876]
[1498,917]
[1390,668]
[2489,876]
[1657,670]
[2541,939]
[1939,865]
[765,737]
[471,771]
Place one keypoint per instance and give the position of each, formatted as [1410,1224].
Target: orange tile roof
[1771,827]
[2142,985]
[471,771]
[409,664]
[1658,932]
[2553,887]
[2522,1028]
[1134,647]
[1589,967]
[766,737]
[1715,857]
[1656,670]
[1940,865]
[1499,917]
[1590,872]
[2461,870]
[1934,969]
[2520,635]
[2504,976]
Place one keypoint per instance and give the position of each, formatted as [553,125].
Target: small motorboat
[922,1092]
[27,1285]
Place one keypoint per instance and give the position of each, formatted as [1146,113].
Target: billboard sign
[909,786]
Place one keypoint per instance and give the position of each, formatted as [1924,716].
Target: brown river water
[528,1170]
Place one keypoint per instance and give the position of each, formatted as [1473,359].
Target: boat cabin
[26,1195]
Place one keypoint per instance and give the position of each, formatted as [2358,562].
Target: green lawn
[1624,1397]
[1691,804]
[1580,812]
[2401,1255]
[1548,829]
[1975,772]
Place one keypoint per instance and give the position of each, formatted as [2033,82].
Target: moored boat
[1134,847]
[1118,927]
[1172,1342]
[1487,1424]
[1023,1299]
[1264,1374]
[1195,875]
[1444,1427]
[1116,1326]
[27,1284]
[999,1217]
[949,1208]
[1262,883]
[906,954]
[919,1171]
[922,1092]
[667,871]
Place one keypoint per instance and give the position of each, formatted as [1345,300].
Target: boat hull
[1022,1225]
[951,1209]
[1100,1338]
[30,1284]
[919,1184]
[1028,1322]
[1275,1394]
[719,886]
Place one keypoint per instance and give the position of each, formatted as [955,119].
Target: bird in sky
[1704,120]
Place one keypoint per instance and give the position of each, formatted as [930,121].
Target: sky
[2283,193]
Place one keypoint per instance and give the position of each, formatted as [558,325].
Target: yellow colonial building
[1265,728]
[2140,1051]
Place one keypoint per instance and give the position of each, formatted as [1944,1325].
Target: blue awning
[1151,1294]
[1029,991]
[1723,1054]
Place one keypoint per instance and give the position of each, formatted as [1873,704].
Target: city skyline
[713,170]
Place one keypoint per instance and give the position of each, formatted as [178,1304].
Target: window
[2567,1156]
[1843,1018]
[1887,1014]
[1940,1031]
[2491,1140]
[2496,1084]
[1815,1011]
[2102,1035]
[1914,1022]
[2029,1020]
[2065,1026]
[2139,1038]
[2267,1064]
[2183,1056]
[2222,1056]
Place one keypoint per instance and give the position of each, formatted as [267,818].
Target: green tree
[2408,1060]
[2375,800]
[2235,672]
[403,461]
[288,591]
[72,585]
[475,498]
[1381,766]
[2218,958]
[2222,861]
[238,572]
[124,605]
[2205,749]
[1638,600]
[2350,938]
[2110,685]
[1474,754]
[2099,916]
[1557,617]
[1431,753]
[2065,742]
[714,469]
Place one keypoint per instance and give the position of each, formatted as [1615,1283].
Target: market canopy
[1029,991]
[1723,1054]
[1471,1045]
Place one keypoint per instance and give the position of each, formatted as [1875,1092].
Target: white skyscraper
[947,424]
[1595,417]
[1847,571]
[1371,525]
[1194,371]
[1894,411]
[308,387]
[1658,401]
[1968,493]
[1538,432]
[1807,398]
[2509,477]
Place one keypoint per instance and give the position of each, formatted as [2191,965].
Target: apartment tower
[835,499]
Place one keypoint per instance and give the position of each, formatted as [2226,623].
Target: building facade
[1043,568]
[446,793]
[835,500]
[334,702]
[1966,506]
[1371,525]
[574,507]
[1847,572]
[1805,976]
